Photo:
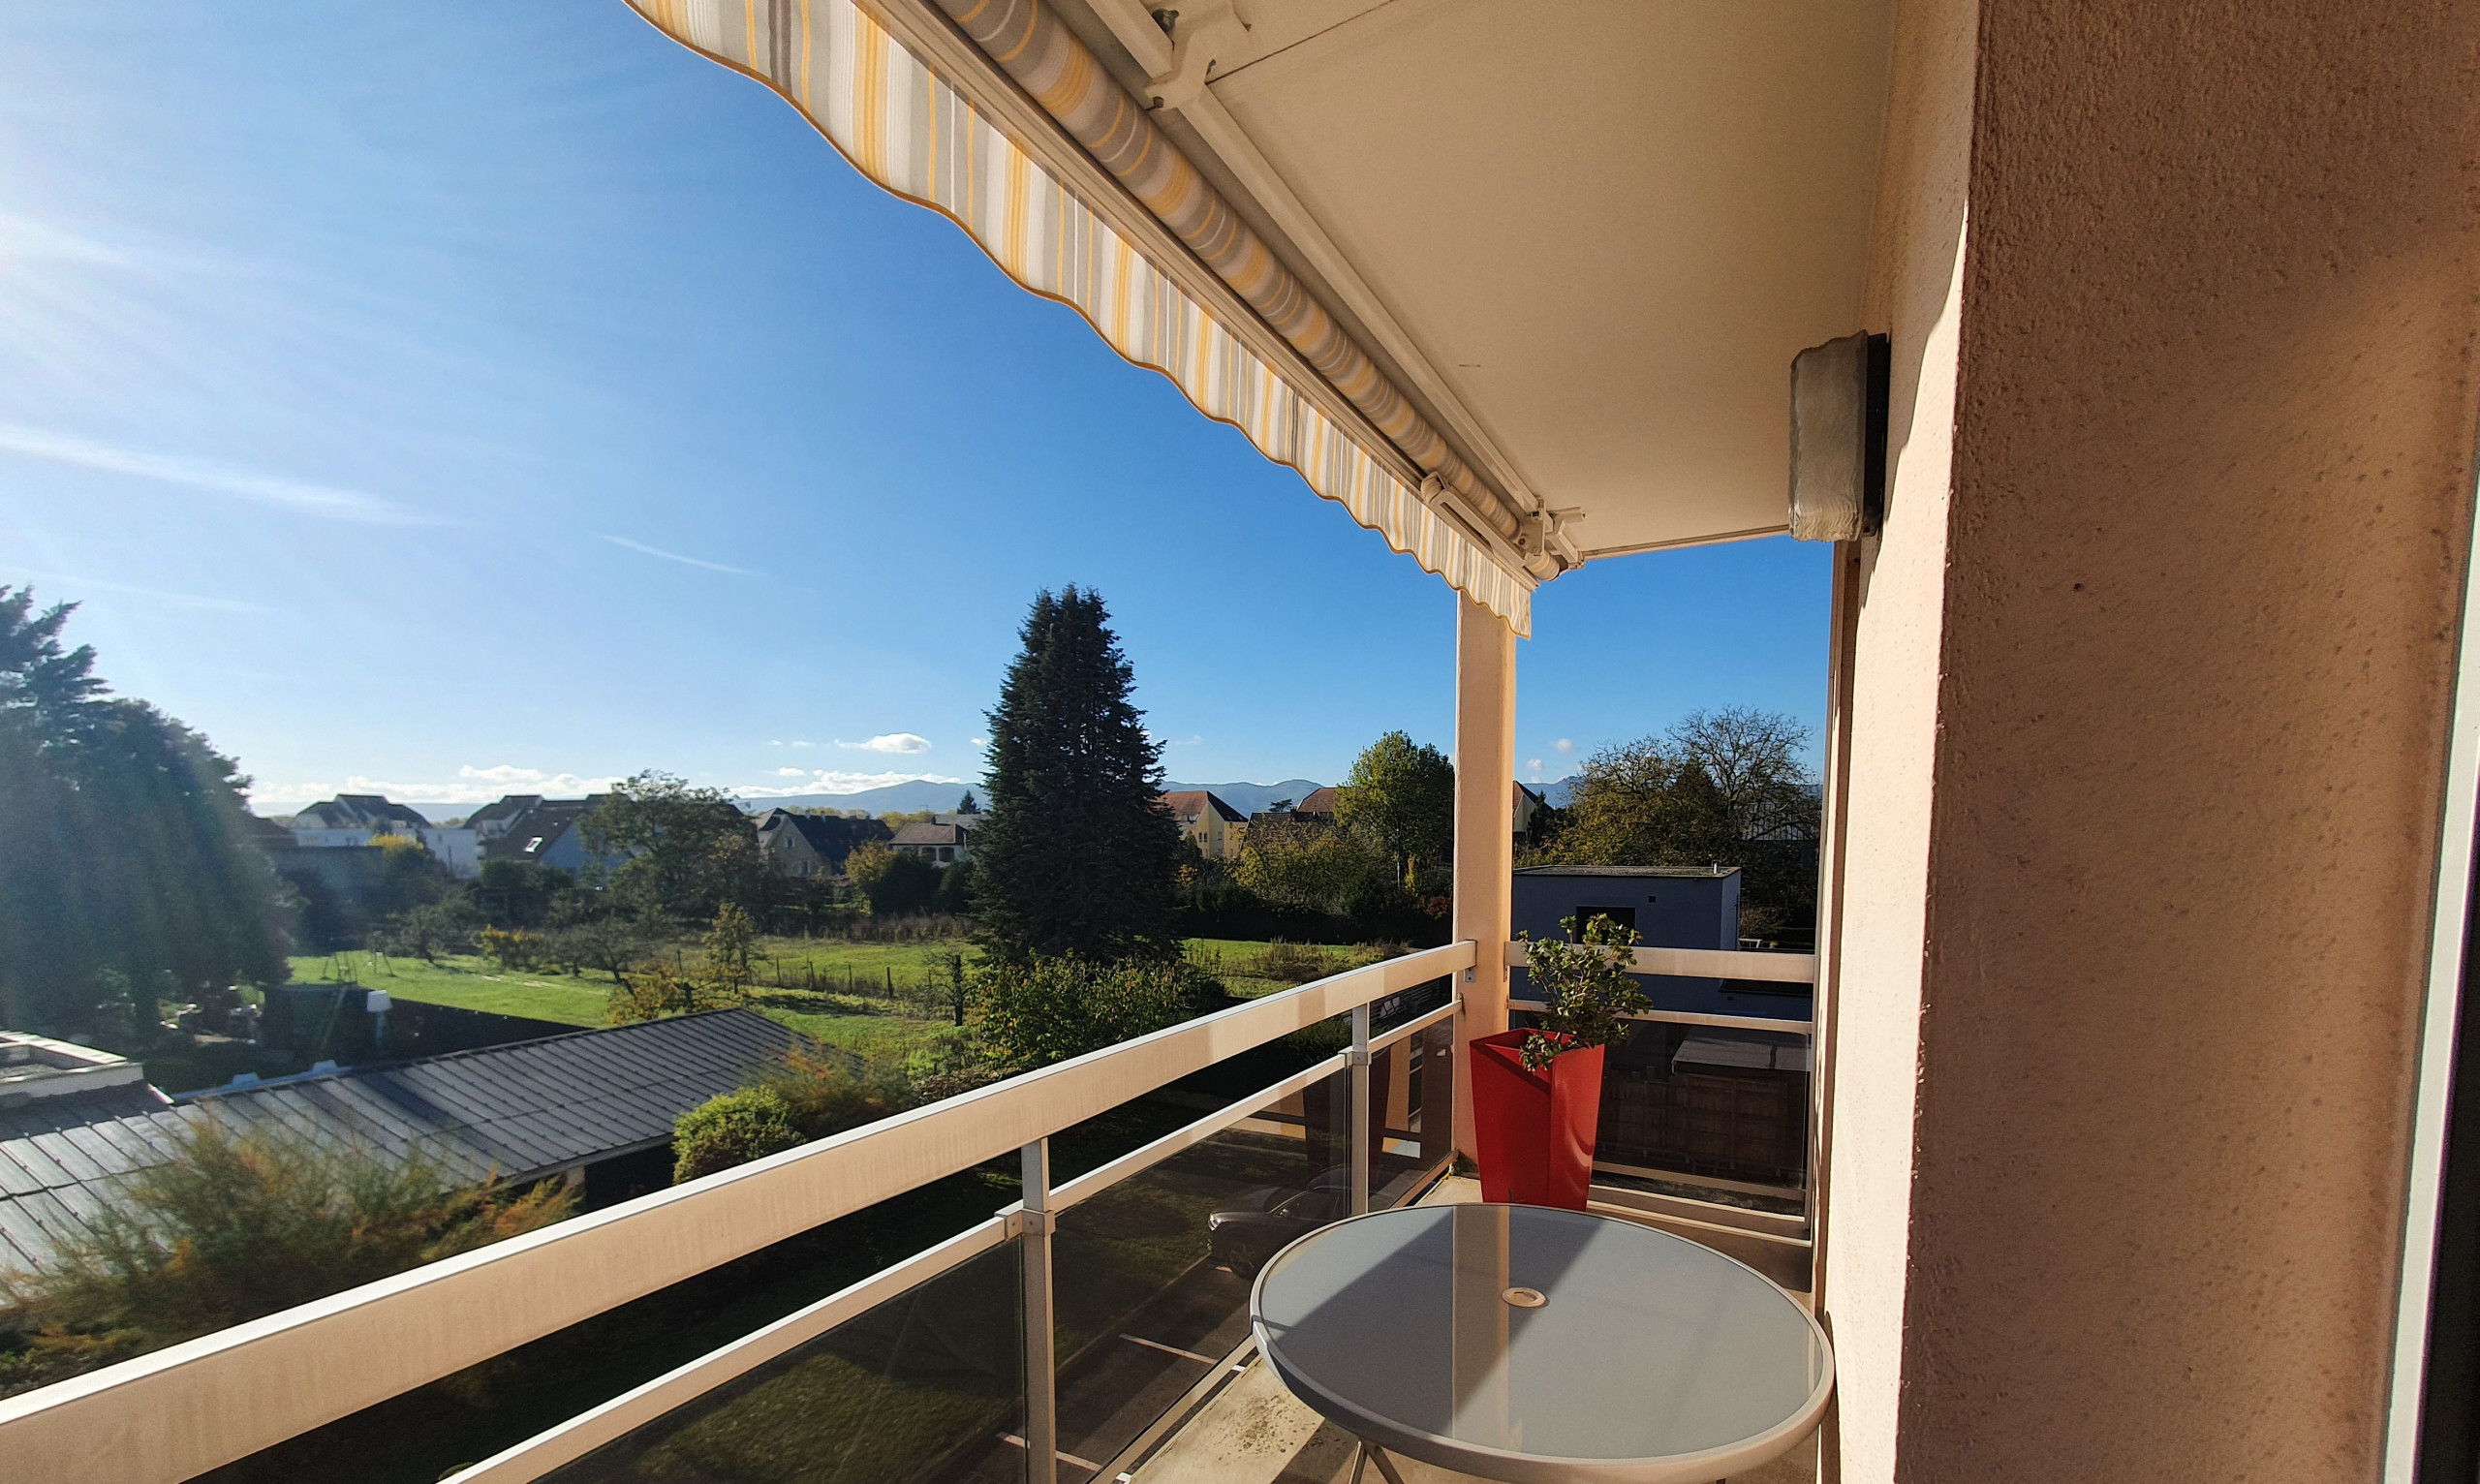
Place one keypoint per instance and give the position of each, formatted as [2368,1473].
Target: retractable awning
[1068,186]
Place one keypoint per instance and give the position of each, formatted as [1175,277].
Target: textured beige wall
[2211,484]
[1891,711]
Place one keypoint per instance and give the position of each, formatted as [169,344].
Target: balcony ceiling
[1588,238]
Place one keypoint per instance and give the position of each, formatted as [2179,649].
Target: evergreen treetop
[1077,854]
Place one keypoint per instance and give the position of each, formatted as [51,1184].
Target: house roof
[1319,801]
[269,835]
[509,807]
[930,834]
[832,836]
[357,811]
[515,1112]
[544,822]
[1189,803]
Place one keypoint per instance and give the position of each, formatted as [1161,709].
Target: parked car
[1260,1223]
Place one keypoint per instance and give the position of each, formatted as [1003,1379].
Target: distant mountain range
[904,798]
[894,798]
[1252,798]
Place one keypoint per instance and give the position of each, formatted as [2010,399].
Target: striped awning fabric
[913,133]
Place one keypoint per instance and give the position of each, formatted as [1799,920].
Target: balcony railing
[1772,1157]
[191,1407]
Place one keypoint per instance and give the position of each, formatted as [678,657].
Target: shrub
[730,1128]
[826,1091]
[1288,963]
[892,882]
[239,1226]
[1047,1009]
[1317,870]
[511,947]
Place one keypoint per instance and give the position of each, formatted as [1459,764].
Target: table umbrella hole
[1525,1298]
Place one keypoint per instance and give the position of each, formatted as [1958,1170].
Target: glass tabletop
[1523,1330]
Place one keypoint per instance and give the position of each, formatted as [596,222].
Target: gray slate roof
[516,1112]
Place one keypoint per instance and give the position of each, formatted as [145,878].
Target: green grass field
[876,999]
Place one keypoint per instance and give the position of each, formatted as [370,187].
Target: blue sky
[449,400]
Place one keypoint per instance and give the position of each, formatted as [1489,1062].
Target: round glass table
[1540,1346]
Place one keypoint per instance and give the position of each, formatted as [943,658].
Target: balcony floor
[1255,1431]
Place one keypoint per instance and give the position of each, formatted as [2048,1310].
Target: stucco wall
[2203,549]
[1890,708]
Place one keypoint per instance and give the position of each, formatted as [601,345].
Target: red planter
[1536,1128]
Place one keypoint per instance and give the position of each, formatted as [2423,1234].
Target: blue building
[1670,907]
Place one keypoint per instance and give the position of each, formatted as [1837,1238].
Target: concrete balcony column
[2149,678]
[1485,831]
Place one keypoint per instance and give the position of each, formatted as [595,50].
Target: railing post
[1042,1378]
[1360,1149]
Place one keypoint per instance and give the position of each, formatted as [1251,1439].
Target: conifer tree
[1077,854]
[126,868]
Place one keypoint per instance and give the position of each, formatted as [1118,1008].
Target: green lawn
[866,1020]
[866,997]
[468,983]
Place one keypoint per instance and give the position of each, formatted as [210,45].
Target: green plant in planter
[1586,987]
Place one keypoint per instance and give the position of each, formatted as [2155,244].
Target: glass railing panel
[430,1431]
[1411,1113]
[926,1388]
[1150,1276]
[1719,1104]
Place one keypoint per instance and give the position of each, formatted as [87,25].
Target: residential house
[807,844]
[942,845]
[1214,825]
[493,820]
[1528,804]
[350,820]
[548,833]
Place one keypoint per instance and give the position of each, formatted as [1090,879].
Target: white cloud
[829,781]
[792,772]
[321,500]
[892,742]
[675,556]
[1563,745]
[474,785]
[1535,763]
[805,744]
[977,742]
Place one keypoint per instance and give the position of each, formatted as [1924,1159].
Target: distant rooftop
[1708,873]
[33,1067]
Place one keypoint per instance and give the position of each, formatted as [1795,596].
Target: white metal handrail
[1711,964]
[191,1407]
[1695,1018]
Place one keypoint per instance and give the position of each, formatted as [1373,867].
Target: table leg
[1385,1465]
